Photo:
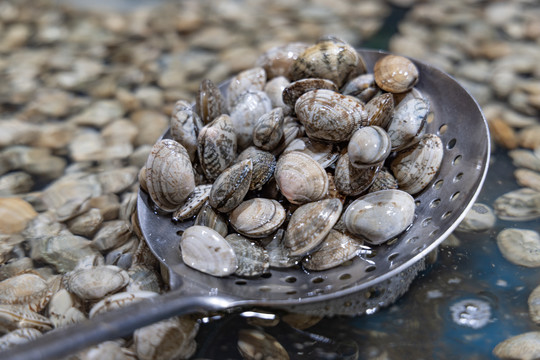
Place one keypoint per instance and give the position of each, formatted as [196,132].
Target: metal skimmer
[352,289]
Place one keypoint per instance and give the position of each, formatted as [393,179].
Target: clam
[292,129]
[255,344]
[169,174]
[257,217]
[210,218]
[331,59]
[324,153]
[278,60]
[310,224]
[274,89]
[395,74]
[329,116]
[185,125]
[14,317]
[300,178]
[119,300]
[268,129]
[231,186]
[408,122]
[353,181]
[96,282]
[294,90]
[193,203]
[250,106]
[362,87]
[27,289]
[18,337]
[217,146]
[379,216]
[15,213]
[207,251]
[252,259]
[335,249]
[380,110]
[209,102]
[264,164]
[279,255]
[383,180]
[416,166]
[250,79]
[369,145]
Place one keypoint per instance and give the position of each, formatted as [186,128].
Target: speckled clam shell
[231,186]
[274,89]
[395,74]
[251,105]
[268,129]
[368,146]
[380,110]
[193,203]
[26,289]
[310,224]
[279,254]
[210,218]
[252,79]
[257,217]
[207,251]
[408,122]
[384,180]
[217,146]
[330,59]
[294,90]
[277,61]
[520,246]
[335,249]
[210,103]
[292,129]
[330,116]
[379,216]
[362,87]
[96,282]
[300,178]
[185,125]
[324,153]
[264,164]
[353,181]
[416,166]
[252,259]
[169,174]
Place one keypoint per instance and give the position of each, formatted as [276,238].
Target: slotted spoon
[367,283]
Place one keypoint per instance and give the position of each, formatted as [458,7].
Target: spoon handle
[115,324]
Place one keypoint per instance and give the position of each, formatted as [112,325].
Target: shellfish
[257,217]
[395,74]
[231,186]
[217,146]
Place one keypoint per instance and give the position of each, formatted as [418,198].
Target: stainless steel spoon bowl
[461,125]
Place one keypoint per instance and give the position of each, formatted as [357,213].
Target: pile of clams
[307,158]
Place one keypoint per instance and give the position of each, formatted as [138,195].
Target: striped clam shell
[257,217]
[217,146]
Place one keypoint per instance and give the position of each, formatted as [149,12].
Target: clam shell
[279,255]
[210,218]
[96,282]
[251,105]
[518,205]
[520,246]
[277,61]
[379,216]
[395,74]
[310,224]
[274,89]
[330,116]
[231,186]
[300,178]
[380,110]
[324,153]
[384,180]
[294,90]
[416,166]
[351,180]
[119,300]
[15,214]
[210,103]
[248,80]
[255,344]
[335,249]
[193,203]
[14,317]
[169,174]
[368,146]
[408,122]
[18,337]
[362,87]
[26,289]
[207,251]
[330,59]
[185,125]
[292,129]
[264,164]
[217,146]
[257,217]
[268,129]
[252,259]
